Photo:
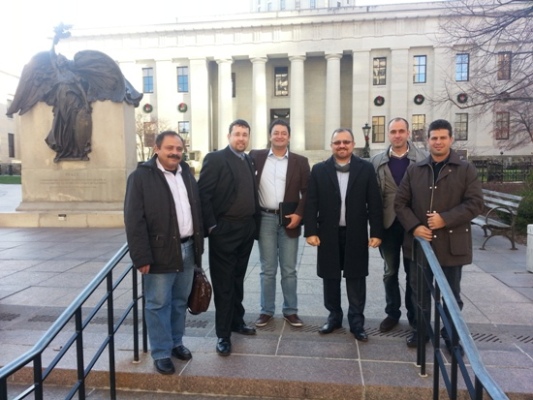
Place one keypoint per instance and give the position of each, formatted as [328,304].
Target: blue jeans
[274,244]
[390,249]
[166,298]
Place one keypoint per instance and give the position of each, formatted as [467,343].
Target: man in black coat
[230,207]
[343,197]
[165,238]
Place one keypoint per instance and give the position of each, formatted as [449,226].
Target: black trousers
[355,289]
[230,245]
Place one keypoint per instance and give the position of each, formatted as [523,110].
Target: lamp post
[366,132]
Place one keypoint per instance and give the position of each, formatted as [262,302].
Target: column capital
[333,56]
[258,60]
[224,61]
[297,58]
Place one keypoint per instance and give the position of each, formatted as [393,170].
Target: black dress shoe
[224,347]
[387,324]
[360,335]
[181,352]
[164,366]
[244,330]
[412,340]
[329,327]
[449,347]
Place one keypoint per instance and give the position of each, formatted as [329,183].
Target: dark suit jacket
[218,188]
[322,214]
[295,182]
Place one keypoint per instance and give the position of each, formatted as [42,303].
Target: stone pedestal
[530,248]
[68,191]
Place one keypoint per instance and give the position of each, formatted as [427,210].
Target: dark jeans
[355,289]
[230,244]
[390,249]
[453,276]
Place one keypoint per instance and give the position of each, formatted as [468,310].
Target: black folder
[286,208]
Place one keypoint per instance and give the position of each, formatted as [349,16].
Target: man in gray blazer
[390,167]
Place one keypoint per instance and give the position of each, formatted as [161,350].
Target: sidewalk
[43,269]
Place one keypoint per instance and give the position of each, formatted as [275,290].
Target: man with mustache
[165,238]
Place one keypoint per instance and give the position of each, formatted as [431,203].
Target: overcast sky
[27,26]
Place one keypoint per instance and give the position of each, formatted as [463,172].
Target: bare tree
[146,131]
[492,41]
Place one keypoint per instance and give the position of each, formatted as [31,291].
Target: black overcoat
[322,214]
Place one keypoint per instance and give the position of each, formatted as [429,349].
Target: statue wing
[37,83]
[100,75]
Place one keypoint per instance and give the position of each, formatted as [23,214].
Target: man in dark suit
[282,176]
[342,198]
[228,194]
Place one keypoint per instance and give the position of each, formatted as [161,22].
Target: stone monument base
[75,193]
[105,219]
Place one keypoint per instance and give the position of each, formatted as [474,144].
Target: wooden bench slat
[493,200]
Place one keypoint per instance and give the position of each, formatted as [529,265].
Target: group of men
[345,204]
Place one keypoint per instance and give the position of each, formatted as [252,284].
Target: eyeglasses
[339,142]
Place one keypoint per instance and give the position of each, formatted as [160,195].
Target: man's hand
[313,240]
[435,221]
[144,269]
[295,221]
[423,232]
[374,242]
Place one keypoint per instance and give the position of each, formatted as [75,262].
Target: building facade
[9,146]
[319,68]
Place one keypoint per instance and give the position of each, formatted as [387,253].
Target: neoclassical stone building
[9,146]
[321,68]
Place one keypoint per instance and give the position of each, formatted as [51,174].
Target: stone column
[200,137]
[333,96]
[297,103]
[259,139]
[361,103]
[401,67]
[530,248]
[225,102]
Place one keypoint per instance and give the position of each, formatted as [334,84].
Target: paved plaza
[43,269]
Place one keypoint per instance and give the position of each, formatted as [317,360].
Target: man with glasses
[342,199]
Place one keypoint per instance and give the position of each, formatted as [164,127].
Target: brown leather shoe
[293,320]
[263,320]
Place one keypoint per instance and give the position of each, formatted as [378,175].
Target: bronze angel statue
[70,86]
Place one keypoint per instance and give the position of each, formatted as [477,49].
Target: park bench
[496,203]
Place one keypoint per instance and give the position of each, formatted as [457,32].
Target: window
[233,84]
[462,67]
[419,127]
[183,79]
[502,126]
[183,127]
[380,71]
[8,105]
[148,80]
[312,4]
[378,129]
[461,126]
[281,81]
[282,4]
[504,66]
[419,69]
[11,145]
[150,129]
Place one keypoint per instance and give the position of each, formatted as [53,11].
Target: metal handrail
[74,310]
[448,310]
